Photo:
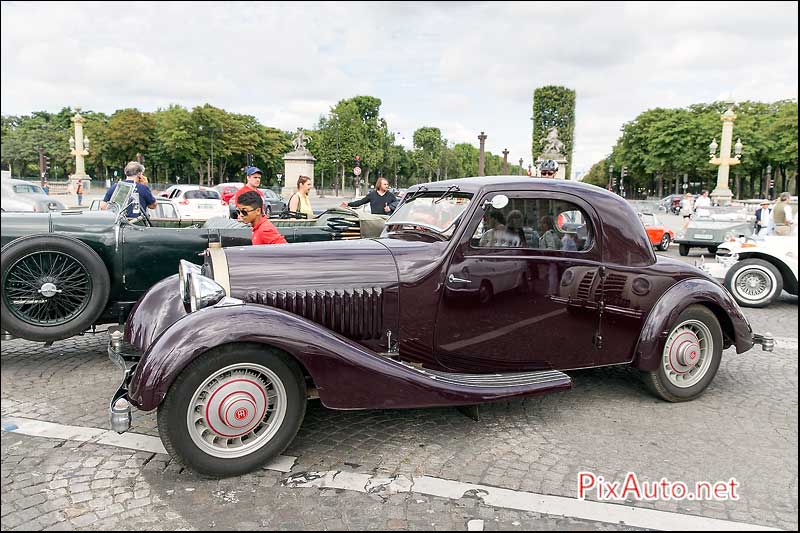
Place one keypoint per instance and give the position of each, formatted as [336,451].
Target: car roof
[476,184]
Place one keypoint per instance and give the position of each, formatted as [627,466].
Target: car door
[518,296]
[150,254]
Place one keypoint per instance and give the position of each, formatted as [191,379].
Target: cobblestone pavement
[744,426]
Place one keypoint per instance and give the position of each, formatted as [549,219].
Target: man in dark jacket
[381,201]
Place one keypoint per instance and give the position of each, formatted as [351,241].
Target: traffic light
[772,183]
[614,181]
[249,160]
[358,161]
[46,167]
[624,172]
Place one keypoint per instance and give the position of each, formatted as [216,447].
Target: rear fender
[346,375]
[673,302]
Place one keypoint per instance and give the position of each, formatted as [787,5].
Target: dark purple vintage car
[479,289]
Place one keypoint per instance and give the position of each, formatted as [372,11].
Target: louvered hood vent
[355,313]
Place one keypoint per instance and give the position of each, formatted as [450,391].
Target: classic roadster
[64,272]
[229,353]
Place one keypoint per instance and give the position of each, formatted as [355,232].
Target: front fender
[673,302]
[346,374]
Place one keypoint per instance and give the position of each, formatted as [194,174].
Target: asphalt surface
[744,427]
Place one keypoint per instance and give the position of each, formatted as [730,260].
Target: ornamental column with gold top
[80,148]
[722,193]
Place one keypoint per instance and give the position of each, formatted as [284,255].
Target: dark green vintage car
[64,272]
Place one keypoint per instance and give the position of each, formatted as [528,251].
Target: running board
[544,379]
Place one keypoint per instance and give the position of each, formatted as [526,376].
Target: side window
[535,223]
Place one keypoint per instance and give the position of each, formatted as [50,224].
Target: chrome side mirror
[497,202]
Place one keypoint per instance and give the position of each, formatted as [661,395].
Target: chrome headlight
[198,291]
[185,272]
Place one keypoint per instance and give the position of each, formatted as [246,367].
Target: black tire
[72,267]
[683,249]
[657,380]
[768,282]
[172,423]
[712,250]
[268,210]
[664,244]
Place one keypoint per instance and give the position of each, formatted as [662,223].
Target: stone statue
[553,144]
[300,141]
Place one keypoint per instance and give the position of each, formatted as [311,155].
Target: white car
[21,195]
[195,202]
[756,269]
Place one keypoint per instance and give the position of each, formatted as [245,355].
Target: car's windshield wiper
[416,194]
[449,192]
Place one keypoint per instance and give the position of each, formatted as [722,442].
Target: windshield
[721,213]
[121,193]
[28,189]
[201,195]
[431,210]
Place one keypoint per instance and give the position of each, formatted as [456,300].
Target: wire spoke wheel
[47,288]
[753,284]
[688,353]
[237,410]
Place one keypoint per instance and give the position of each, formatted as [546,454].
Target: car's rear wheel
[712,250]
[232,410]
[690,358]
[683,249]
[664,244]
[268,210]
[754,283]
[53,287]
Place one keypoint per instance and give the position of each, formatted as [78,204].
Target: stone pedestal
[296,164]
[558,158]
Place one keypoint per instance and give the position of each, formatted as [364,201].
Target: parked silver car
[711,226]
[21,195]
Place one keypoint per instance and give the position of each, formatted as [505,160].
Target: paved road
[744,426]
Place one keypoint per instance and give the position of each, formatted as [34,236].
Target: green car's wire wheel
[53,287]
[47,288]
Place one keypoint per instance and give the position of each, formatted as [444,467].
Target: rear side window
[28,189]
[535,223]
[201,195]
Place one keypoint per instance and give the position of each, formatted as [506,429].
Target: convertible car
[230,352]
[64,272]
[660,236]
[711,226]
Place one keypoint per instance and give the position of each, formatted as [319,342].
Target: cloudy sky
[461,66]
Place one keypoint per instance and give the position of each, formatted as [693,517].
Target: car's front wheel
[754,283]
[232,410]
[690,358]
[53,287]
[664,244]
[683,249]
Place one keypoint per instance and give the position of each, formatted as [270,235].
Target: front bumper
[126,357]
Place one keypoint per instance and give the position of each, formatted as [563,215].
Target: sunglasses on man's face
[548,173]
[245,212]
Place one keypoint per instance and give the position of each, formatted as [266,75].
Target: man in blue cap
[253,182]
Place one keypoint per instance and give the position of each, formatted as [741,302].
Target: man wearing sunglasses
[250,209]
[548,168]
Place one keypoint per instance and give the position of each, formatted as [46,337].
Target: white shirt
[702,201]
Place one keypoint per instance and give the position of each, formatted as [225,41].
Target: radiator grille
[585,287]
[355,313]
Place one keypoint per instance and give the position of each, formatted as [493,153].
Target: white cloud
[463,67]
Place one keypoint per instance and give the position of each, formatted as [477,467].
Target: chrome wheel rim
[664,242]
[754,284]
[47,288]
[237,410]
[688,353]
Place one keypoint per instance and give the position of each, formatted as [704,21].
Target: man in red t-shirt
[253,182]
[251,211]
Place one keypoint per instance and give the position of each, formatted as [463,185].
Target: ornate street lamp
[722,194]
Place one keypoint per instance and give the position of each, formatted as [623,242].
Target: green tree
[129,132]
[428,149]
[554,106]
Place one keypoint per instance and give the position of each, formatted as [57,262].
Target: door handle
[452,279]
